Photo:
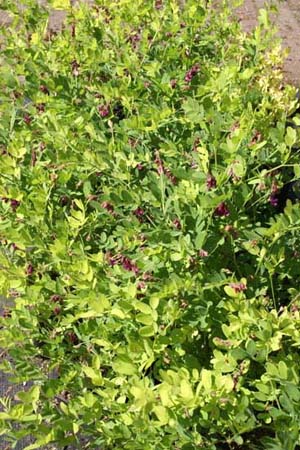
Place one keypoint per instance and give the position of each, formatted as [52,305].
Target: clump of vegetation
[145,238]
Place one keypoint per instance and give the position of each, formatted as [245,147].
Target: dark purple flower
[6,313]
[139,166]
[158,4]
[221,210]
[191,73]
[57,310]
[108,206]
[203,253]
[44,89]
[103,110]
[56,298]
[29,269]
[141,285]
[139,212]
[112,260]
[72,337]
[27,119]
[64,200]
[14,204]
[177,224]
[238,287]
[129,265]
[173,83]
[40,107]
[134,39]
[211,182]
[273,199]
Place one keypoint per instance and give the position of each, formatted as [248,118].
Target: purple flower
[112,260]
[72,337]
[238,287]
[221,210]
[173,83]
[203,253]
[158,4]
[56,298]
[139,166]
[27,119]
[141,285]
[64,200]
[103,110]
[139,212]
[40,107]
[108,206]
[14,204]
[129,265]
[211,182]
[44,89]
[29,269]
[273,199]
[191,73]
[177,224]
[6,313]
[57,310]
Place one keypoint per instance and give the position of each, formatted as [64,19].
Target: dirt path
[288,23]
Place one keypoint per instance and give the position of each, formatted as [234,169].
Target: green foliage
[156,288]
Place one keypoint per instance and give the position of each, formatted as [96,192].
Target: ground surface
[288,23]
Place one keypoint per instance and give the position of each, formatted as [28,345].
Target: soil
[287,21]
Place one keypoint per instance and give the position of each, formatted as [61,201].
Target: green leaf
[123,365]
[193,110]
[147,331]
[290,137]
[162,414]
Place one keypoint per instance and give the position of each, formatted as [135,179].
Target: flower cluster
[211,182]
[222,210]
[238,287]
[103,110]
[190,74]
[14,204]
[124,261]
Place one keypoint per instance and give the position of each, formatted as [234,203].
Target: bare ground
[288,23]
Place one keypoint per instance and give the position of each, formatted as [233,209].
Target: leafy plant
[155,283]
